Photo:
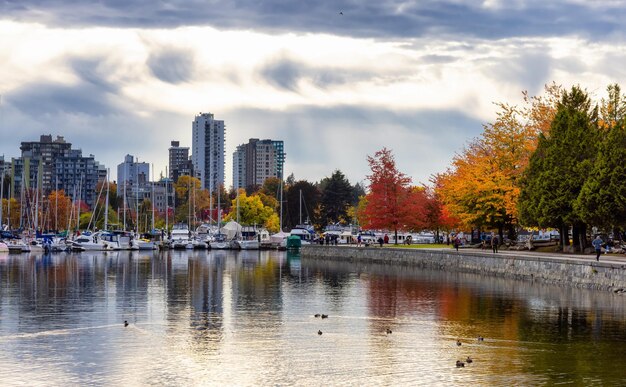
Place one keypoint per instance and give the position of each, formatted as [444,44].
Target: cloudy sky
[418,77]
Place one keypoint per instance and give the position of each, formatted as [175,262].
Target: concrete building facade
[208,147]
[257,161]
[50,164]
[179,162]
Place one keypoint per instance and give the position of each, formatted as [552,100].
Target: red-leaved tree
[391,202]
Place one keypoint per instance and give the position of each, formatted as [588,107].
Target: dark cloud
[370,18]
[172,65]
[286,73]
[92,94]
[438,59]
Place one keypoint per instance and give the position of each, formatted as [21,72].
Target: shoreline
[566,270]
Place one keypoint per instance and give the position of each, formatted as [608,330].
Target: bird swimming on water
[389,331]
[317,315]
[468,360]
[319,332]
[458,342]
[459,364]
[125,323]
[480,338]
[324,316]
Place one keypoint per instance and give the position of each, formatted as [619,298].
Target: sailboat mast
[37,204]
[69,218]
[219,212]
[11,188]
[56,204]
[106,205]
[300,207]
[80,189]
[2,194]
[152,199]
[124,201]
[167,201]
[137,197]
[281,203]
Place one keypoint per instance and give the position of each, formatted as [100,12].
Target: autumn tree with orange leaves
[482,186]
[60,207]
[392,203]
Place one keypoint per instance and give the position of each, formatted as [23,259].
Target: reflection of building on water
[206,286]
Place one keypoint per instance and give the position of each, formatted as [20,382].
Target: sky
[336,80]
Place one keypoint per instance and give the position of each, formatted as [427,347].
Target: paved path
[578,258]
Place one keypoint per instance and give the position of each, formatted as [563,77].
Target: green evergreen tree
[559,167]
[602,200]
[336,199]
[308,202]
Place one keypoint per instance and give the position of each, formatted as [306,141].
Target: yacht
[180,237]
[249,239]
[98,241]
[305,232]
[18,246]
[220,242]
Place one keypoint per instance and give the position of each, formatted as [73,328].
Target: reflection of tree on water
[528,323]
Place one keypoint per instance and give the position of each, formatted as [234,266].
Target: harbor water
[248,318]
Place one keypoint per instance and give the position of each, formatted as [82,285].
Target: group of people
[493,241]
[381,240]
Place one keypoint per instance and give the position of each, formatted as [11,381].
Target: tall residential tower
[207,151]
[256,161]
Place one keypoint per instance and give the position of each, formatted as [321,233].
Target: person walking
[597,244]
[494,243]
[457,242]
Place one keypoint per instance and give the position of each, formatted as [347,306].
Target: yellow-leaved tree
[250,210]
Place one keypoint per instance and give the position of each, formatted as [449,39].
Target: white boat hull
[249,245]
[220,245]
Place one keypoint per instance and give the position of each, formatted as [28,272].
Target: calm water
[224,318]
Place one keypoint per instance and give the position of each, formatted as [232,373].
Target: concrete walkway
[578,258]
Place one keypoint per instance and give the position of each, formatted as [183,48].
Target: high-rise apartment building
[207,153]
[179,162]
[256,161]
[50,164]
[44,153]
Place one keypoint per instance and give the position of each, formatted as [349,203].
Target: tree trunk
[583,236]
[564,231]
[576,236]
[511,232]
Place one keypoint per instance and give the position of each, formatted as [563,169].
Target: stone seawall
[569,271]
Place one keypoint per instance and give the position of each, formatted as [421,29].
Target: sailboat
[220,240]
[279,239]
[248,237]
[303,231]
[100,240]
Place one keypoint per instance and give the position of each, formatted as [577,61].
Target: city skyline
[420,79]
